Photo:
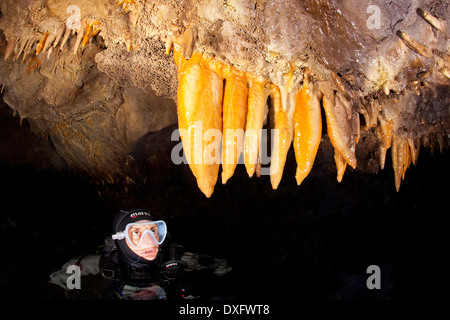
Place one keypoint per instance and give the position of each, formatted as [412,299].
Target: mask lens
[145,233]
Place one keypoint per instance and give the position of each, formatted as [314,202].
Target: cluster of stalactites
[214,95]
[234,102]
[404,150]
[32,43]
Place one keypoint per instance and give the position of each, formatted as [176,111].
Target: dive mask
[140,233]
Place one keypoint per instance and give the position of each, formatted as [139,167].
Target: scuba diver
[140,261]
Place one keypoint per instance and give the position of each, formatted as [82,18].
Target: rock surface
[95,99]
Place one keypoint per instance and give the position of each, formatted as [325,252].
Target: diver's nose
[147,240]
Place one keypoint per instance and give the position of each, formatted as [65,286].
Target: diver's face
[148,249]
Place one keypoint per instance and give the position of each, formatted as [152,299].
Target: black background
[309,242]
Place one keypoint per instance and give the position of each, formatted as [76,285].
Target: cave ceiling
[95,77]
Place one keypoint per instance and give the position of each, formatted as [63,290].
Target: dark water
[314,241]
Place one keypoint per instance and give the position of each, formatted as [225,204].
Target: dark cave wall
[20,146]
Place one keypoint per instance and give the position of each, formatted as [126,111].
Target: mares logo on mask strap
[141,213]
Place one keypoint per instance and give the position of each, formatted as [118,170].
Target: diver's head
[139,236]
